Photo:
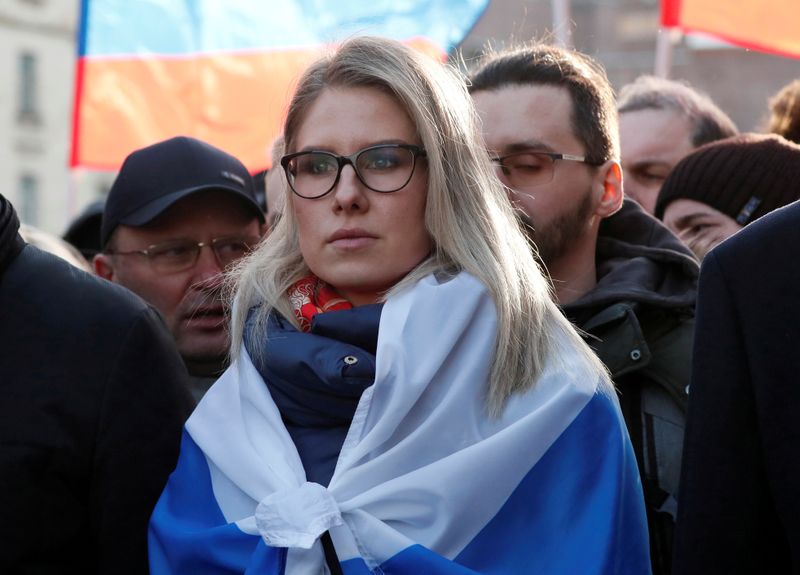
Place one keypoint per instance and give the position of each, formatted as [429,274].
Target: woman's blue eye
[381,159]
[316,165]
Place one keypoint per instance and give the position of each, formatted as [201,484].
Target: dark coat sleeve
[739,509]
[139,427]
[93,395]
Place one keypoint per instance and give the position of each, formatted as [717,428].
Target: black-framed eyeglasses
[181,255]
[530,168]
[384,168]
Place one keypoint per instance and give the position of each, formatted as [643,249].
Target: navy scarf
[316,379]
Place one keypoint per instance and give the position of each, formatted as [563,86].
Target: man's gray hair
[709,122]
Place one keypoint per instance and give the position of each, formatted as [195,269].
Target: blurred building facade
[37,55]
[37,59]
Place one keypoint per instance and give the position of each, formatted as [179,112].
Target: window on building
[28,108]
[29,199]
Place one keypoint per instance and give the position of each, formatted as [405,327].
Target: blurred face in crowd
[652,141]
[563,213]
[186,294]
[698,225]
[360,241]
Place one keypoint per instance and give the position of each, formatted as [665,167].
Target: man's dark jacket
[740,486]
[639,320]
[92,400]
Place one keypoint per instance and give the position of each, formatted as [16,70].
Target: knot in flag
[297,516]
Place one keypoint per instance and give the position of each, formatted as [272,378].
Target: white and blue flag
[427,481]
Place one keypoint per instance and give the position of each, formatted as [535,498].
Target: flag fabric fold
[426,480]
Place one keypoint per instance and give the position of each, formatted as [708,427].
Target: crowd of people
[482,323]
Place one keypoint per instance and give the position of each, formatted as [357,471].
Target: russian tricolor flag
[426,481]
[222,70]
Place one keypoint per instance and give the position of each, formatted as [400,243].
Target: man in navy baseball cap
[178,214]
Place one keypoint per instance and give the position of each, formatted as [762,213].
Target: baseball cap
[155,177]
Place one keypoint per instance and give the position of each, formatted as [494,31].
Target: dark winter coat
[740,487]
[92,400]
[639,320]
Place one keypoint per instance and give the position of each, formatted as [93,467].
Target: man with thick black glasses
[550,124]
[178,214]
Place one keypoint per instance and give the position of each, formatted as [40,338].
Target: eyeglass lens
[525,170]
[182,255]
[380,168]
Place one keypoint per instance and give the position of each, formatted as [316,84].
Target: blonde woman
[405,397]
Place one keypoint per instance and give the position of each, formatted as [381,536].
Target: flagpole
[562,22]
[664,43]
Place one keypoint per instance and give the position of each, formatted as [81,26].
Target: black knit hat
[744,177]
[153,178]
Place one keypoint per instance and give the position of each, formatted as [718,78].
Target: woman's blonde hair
[468,216]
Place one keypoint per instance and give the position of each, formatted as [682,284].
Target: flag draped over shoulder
[764,25]
[222,70]
[426,481]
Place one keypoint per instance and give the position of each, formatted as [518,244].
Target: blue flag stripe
[181,28]
[189,534]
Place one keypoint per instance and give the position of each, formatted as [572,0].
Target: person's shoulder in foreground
[93,398]
[739,497]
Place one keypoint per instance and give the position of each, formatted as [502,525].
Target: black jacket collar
[10,241]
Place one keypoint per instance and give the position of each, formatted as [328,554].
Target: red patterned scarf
[310,296]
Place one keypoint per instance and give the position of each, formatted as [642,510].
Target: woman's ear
[609,187]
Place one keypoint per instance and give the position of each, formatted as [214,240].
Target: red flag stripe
[764,25]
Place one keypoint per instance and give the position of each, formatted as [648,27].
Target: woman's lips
[351,239]
[353,243]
